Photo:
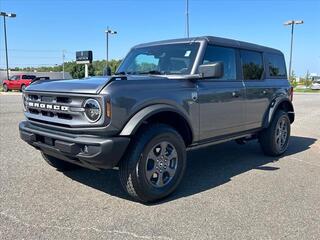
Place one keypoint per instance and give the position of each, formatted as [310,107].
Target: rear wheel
[274,140]
[60,165]
[154,164]
[5,88]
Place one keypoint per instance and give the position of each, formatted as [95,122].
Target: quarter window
[277,66]
[225,55]
[252,65]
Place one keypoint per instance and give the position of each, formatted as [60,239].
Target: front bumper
[94,152]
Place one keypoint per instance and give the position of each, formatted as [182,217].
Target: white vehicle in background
[315,85]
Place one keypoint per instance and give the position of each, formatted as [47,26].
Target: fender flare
[138,118]
[274,105]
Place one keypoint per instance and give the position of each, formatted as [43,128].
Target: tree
[293,77]
[307,79]
[77,70]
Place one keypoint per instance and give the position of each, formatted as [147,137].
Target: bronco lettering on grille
[48,106]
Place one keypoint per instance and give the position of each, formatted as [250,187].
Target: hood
[87,85]
[92,85]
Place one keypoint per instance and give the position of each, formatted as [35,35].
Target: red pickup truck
[17,82]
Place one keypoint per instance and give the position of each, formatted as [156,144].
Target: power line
[36,50]
[35,57]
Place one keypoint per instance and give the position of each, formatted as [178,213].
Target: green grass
[307,90]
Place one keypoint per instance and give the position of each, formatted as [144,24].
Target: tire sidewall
[5,88]
[143,188]
[279,116]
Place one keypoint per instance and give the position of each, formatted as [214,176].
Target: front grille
[57,106]
[57,109]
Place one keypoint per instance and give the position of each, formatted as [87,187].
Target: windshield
[160,59]
[14,77]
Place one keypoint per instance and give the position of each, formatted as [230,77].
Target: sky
[44,28]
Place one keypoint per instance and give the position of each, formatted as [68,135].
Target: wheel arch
[160,113]
[282,103]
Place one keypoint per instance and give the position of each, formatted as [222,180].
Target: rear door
[258,89]
[26,80]
[221,101]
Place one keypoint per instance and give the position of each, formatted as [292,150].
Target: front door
[221,101]
[13,83]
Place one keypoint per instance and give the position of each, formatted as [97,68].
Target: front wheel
[60,165]
[274,140]
[154,164]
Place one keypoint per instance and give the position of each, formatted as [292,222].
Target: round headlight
[92,110]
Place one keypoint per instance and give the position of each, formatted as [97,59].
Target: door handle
[235,94]
[194,96]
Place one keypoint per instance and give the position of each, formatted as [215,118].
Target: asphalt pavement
[229,191]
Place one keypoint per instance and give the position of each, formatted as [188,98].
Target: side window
[225,55]
[28,76]
[276,65]
[252,65]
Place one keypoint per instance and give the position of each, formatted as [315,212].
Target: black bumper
[94,152]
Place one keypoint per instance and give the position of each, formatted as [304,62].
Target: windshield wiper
[122,73]
[152,72]
[140,73]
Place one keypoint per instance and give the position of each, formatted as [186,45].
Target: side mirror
[211,70]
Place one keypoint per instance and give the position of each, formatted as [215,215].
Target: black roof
[216,41]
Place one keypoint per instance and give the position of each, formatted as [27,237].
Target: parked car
[40,78]
[315,85]
[166,97]
[17,82]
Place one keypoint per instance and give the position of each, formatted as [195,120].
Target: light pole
[108,31]
[12,15]
[187,18]
[292,23]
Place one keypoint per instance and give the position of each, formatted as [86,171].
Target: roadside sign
[84,57]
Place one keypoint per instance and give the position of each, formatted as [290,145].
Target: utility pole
[187,18]
[292,23]
[108,31]
[12,15]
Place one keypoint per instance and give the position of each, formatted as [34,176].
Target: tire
[5,88]
[60,165]
[154,164]
[23,87]
[273,141]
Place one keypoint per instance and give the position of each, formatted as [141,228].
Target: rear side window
[225,55]
[28,77]
[276,65]
[252,65]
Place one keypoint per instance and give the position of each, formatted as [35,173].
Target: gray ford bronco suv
[166,97]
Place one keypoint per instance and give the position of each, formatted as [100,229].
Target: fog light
[85,149]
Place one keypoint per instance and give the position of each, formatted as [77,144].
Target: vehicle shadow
[207,168]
